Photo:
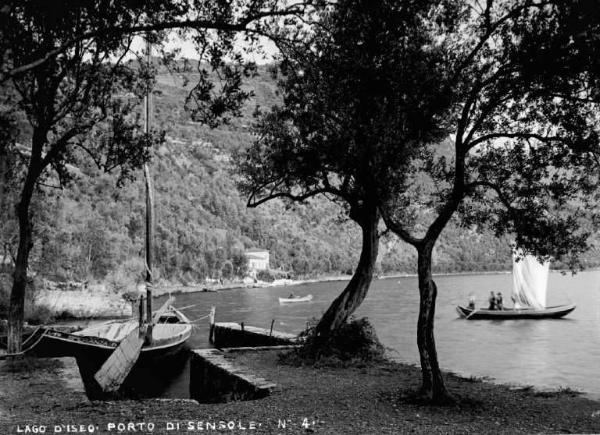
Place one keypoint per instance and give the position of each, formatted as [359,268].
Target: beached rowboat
[169,333]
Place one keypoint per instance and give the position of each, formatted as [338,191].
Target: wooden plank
[118,365]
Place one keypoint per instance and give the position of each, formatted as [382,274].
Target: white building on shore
[258,259]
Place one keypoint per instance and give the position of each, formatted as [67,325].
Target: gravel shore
[368,400]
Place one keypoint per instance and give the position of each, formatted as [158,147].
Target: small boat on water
[513,313]
[306,298]
[530,279]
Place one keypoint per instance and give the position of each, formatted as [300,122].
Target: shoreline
[488,272]
[414,275]
[215,288]
[376,398]
[74,305]
[211,288]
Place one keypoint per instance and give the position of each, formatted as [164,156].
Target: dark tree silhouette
[369,99]
[524,105]
[73,24]
[66,63]
[343,86]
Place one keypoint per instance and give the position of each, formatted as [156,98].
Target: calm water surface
[548,353]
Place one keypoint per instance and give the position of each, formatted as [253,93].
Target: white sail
[530,279]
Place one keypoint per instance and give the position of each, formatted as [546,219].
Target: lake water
[549,353]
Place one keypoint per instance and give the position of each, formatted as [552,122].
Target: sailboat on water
[530,282]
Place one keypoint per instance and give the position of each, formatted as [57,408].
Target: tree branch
[485,112]
[491,29]
[60,145]
[521,135]
[496,188]
[458,190]
[59,187]
[171,25]
[297,198]
[398,229]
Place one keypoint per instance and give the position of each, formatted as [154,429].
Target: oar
[118,365]
[471,313]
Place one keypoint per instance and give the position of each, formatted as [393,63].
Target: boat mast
[149,206]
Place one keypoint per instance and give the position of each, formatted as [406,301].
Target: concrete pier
[214,379]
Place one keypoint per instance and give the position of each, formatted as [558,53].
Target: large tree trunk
[356,290]
[16,310]
[3,176]
[17,295]
[433,387]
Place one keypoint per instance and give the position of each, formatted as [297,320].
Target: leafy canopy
[356,89]
[524,99]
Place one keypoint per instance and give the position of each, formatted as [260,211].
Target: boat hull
[509,314]
[295,300]
[63,344]
[157,365]
[97,343]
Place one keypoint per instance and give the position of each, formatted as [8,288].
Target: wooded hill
[94,230]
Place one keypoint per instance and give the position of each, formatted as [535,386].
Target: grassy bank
[367,400]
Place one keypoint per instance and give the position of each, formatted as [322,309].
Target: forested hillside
[94,231]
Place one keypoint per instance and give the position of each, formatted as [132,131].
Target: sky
[188,50]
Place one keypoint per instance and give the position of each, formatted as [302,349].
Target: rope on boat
[32,334]
[187,306]
[201,318]
[9,355]
[35,331]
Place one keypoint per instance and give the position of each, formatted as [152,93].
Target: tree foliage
[511,84]
[356,90]
[66,63]
[211,24]
[341,94]
[521,108]
[523,101]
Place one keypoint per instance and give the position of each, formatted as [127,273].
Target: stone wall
[214,379]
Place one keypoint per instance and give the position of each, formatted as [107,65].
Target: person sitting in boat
[492,301]
[291,296]
[499,305]
[471,302]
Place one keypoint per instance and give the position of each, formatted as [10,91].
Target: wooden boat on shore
[294,299]
[512,313]
[120,345]
[169,333]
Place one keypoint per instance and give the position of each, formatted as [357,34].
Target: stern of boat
[464,312]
